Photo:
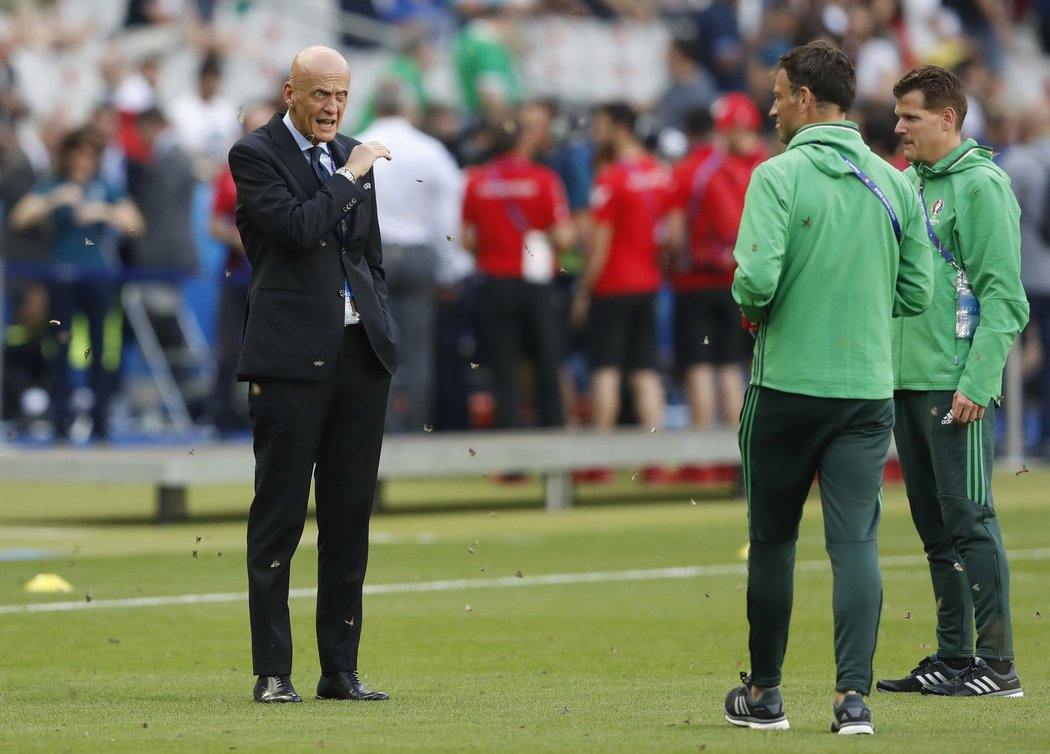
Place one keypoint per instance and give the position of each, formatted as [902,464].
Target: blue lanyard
[931,233]
[878,193]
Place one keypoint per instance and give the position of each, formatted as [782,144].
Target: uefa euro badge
[935,211]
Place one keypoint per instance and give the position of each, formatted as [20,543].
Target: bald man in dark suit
[319,349]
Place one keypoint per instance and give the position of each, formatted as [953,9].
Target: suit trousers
[947,472]
[331,429]
[786,439]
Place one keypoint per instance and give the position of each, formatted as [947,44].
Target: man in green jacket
[831,247]
[948,366]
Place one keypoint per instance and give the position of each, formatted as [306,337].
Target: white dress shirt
[304,145]
[350,315]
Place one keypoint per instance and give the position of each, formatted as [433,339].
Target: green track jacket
[820,269]
[975,215]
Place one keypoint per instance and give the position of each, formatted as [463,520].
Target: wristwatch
[345,172]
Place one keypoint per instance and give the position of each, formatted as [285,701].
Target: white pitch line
[651,574]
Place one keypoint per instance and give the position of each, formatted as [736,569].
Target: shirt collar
[301,141]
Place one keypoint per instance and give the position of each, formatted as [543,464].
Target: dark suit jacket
[290,226]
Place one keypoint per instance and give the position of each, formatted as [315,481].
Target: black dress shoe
[275,689]
[346,685]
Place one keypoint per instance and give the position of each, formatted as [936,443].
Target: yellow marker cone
[48,583]
[743,551]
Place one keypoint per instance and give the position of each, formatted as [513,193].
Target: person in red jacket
[708,200]
[616,293]
[515,220]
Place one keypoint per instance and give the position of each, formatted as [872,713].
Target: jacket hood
[826,143]
[966,156]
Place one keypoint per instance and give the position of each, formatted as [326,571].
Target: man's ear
[805,97]
[948,119]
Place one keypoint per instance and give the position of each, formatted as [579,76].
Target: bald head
[316,92]
[317,58]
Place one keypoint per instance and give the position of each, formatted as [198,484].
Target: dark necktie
[315,162]
[323,175]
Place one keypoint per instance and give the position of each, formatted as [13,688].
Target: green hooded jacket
[974,213]
[820,269]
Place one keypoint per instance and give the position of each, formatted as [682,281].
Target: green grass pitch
[477,659]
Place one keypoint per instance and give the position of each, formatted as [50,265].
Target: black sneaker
[852,717]
[979,680]
[767,713]
[930,672]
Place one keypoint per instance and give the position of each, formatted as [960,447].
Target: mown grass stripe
[416,587]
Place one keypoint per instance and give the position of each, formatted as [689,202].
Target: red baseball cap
[735,110]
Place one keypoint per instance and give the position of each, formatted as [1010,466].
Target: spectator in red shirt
[616,293]
[709,187]
[515,220]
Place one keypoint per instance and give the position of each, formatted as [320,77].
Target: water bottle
[967,308]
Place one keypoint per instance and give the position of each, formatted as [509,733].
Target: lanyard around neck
[944,251]
[878,193]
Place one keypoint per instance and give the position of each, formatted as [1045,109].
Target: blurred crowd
[558,220]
